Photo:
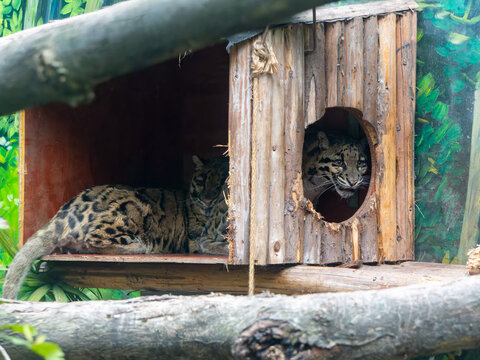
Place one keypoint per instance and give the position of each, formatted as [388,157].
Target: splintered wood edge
[182,258]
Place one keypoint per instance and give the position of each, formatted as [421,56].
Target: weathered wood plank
[375,8]
[333,239]
[315,89]
[312,243]
[406,58]
[261,142]
[369,232]
[294,132]
[386,149]
[341,67]
[276,240]
[194,278]
[370,71]
[354,84]
[333,34]
[157,258]
[239,133]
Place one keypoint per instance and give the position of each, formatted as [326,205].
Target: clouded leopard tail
[41,243]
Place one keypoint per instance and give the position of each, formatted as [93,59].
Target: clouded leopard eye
[338,162]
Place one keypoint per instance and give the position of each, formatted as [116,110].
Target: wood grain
[354,67]
[276,238]
[239,133]
[386,149]
[370,61]
[198,278]
[333,35]
[294,132]
[315,67]
[406,59]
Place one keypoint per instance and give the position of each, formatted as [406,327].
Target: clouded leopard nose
[352,181]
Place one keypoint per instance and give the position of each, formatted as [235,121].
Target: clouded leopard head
[208,180]
[334,160]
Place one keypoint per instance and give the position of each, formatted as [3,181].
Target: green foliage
[31,340]
[73,7]
[448,67]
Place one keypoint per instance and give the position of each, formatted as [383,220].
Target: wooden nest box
[143,128]
[363,69]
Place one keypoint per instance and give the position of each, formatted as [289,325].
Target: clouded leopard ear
[197,161]
[323,142]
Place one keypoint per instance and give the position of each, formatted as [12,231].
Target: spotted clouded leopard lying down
[124,220]
[333,160]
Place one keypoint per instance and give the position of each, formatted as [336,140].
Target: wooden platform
[166,274]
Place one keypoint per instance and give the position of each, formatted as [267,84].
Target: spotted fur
[208,208]
[119,219]
[333,160]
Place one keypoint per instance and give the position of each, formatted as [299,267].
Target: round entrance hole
[337,164]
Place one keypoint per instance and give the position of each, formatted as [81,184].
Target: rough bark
[393,323]
[64,60]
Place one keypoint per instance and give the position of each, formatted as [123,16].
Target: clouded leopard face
[333,160]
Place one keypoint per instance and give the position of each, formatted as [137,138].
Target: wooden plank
[354,84]
[386,117]
[329,13]
[368,230]
[294,132]
[157,258]
[22,170]
[333,238]
[312,244]
[315,89]
[406,59]
[333,34]
[261,142]
[276,238]
[341,67]
[370,62]
[195,278]
[239,133]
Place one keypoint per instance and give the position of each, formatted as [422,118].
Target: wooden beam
[205,278]
[348,12]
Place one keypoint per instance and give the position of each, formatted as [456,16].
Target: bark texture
[64,60]
[393,323]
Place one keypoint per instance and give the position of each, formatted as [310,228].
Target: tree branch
[393,323]
[64,60]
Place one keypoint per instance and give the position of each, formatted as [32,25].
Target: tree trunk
[64,60]
[393,323]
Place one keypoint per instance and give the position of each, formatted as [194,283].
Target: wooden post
[354,84]
[239,134]
[294,132]
[276,238]
[315,89]
[406,56]
[333,35]
[370,40]
[386,149]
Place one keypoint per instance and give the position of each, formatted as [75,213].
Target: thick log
[393,323]
[239,133]
[57,63]
[187,278]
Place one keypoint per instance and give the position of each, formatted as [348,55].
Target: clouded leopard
[333,160]
[115,219]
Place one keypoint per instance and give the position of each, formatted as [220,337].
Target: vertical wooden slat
[294,132]
[386,149]
[315,89]
[341,66]
[333,239]
[21,178]
[370,40]
[239,134]
[313,242]
[406,57]
[276,241]
[333,35]
[354,85]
